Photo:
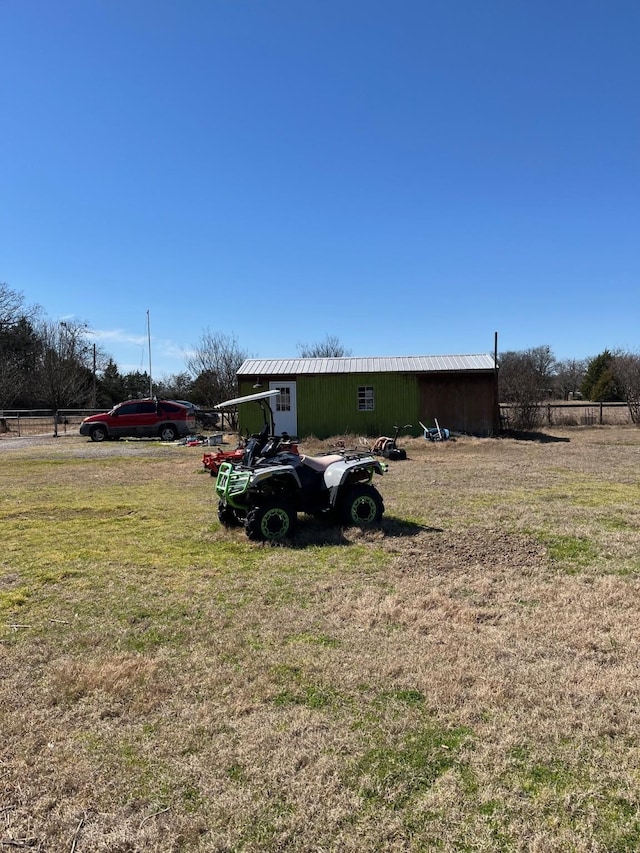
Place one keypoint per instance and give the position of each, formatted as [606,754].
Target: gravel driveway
[77,446]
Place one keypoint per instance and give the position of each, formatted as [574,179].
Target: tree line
[530,377]
[52,364]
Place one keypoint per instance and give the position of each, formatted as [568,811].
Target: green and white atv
[268,488]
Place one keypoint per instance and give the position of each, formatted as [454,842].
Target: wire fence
[560,413]
[34,422]
[24,422]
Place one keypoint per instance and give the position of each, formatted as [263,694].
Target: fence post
[601,421]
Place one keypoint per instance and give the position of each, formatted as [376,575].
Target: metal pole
[149,336]
[496,385]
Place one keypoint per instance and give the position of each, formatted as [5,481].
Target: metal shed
[367,396]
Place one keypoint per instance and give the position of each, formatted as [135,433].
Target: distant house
[367,396]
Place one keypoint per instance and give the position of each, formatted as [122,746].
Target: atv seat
[320,463]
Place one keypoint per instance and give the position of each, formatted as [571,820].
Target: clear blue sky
[409,177]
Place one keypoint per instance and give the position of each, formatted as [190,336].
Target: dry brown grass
[466,678]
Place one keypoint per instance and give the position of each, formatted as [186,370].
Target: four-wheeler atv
[265,494]
[271,485]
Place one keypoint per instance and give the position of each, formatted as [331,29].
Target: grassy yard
[466,678]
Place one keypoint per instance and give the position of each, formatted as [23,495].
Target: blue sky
[409,177]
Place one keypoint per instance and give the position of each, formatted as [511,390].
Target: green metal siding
[250,418]
[327,404]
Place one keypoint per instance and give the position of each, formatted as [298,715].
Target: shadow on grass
[398,527]
[525,435]
[319,532]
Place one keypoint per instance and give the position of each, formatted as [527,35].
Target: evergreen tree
[135,385]
[599,383]
[111,387]
[177,386]
[20,350]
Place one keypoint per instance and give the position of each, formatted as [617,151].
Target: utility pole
[94,376]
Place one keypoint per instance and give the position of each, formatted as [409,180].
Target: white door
[285,413]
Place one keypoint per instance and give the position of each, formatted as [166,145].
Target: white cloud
[167,357]
[117,336]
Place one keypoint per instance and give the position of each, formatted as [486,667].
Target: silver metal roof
[393,364]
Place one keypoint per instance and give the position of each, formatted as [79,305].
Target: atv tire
[227,515]
[361,506]
[270,521]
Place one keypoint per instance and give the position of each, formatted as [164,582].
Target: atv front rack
[231,483]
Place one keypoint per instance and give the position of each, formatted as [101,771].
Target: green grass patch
[559,781]
[297,686]
[569,552]
[13,599]
[395,771]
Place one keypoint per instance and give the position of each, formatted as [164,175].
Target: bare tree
[569,375]
[329,347]
[64,375]
[525,380]
[214,364]
[626,369]
[11,306]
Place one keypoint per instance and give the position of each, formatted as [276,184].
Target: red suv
[162,419]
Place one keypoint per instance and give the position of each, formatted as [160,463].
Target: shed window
[283,400]
[365,398]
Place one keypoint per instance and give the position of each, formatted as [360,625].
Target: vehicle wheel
[99,433]
[362,505]
[168,432]
[227,515]
[270,521]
